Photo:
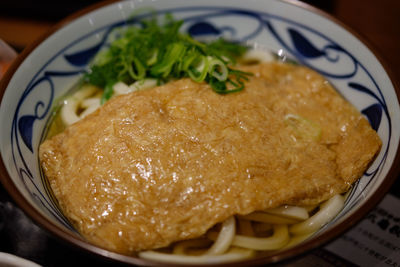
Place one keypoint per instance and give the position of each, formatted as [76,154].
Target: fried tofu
[165,164]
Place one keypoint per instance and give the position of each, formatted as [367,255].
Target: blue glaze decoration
[374,115]
[26,122]
[307,61]
[82,58]
[304,46]
[22,134]
[25,127]
[373,112]
[203,28]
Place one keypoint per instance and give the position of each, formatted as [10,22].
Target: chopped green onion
[153,59]
[218,69]
[136,69]
[174,52]
[108,92]
[304,128]
[199,73]
[162,53]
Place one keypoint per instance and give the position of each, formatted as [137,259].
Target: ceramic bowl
[48,68]
[12,260]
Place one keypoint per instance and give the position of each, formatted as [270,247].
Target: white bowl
[12,260]
[44,72]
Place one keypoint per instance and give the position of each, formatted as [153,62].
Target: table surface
[377,22]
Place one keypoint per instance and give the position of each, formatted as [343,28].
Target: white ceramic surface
[310,37]
[9,260]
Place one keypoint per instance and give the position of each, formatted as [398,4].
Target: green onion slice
[218,69]
[151,50]
[199,73]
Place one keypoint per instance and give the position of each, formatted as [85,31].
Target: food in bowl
[301,128]
[181,165]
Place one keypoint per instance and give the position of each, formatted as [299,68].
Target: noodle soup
[282,128]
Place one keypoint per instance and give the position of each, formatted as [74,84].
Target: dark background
[22,21]
[54,10]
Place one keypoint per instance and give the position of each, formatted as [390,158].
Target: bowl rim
[285,255]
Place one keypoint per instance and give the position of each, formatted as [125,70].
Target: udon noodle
[240,237]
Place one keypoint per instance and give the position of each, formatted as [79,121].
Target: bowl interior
[306,35]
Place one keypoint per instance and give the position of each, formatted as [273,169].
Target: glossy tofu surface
[166,164]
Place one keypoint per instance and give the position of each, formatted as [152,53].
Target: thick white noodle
[257,55]
[121,88]
[290,211]
[73,103]
[279,238]
[225,237]
[89,105]
[182,247]
[81,101]
[144,84]
[294,240]
[328,210]
[233,254]
[68,112]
